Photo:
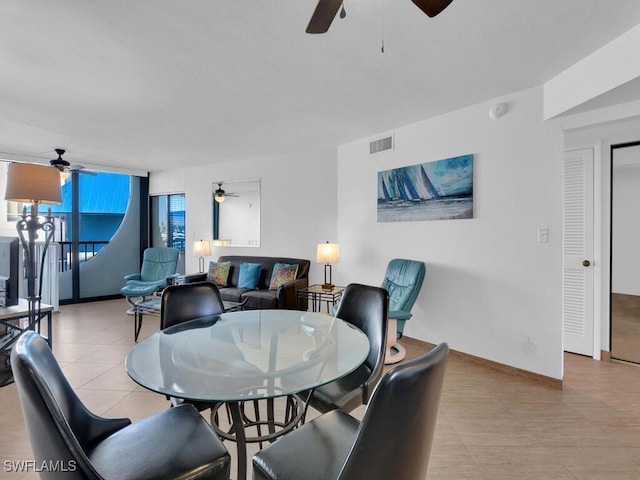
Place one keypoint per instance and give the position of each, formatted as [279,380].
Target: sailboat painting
[440,190]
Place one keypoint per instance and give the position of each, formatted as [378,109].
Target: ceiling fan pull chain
[382,33]
[343,12]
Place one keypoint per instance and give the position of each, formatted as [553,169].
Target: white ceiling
[151,84]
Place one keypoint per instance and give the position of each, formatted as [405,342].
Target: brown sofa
[286,296]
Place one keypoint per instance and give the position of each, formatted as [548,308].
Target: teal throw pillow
[249,275]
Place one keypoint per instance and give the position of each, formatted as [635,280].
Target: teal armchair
[158,264]
[403,280]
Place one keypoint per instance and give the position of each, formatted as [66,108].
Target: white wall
[491,289]
[298,203]
[609,67]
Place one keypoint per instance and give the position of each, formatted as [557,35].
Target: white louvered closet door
[577,249]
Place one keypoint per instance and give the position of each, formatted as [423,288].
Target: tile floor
[491,426]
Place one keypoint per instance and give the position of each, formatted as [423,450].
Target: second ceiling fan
[219,194]
[326,11]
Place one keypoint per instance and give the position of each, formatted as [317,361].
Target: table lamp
[202,248]
[33,184]
[328,253]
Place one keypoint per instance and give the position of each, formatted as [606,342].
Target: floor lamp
[34,184]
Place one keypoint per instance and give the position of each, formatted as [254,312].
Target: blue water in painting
[432,209]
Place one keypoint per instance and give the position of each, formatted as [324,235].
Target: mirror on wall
[625,254]
[236,213]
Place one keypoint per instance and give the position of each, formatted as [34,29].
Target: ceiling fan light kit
[326,11]
[219,195]
[65,167]
[60,163]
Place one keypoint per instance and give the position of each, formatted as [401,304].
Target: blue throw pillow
[249,275]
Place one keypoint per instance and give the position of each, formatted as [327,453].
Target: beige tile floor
[491,426]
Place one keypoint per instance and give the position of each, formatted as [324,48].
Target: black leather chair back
[366,307]
[59,425]
[396,433]
[392,442]
[70,442]
[186,302]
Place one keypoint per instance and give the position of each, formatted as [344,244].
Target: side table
[13,321]
[316,294]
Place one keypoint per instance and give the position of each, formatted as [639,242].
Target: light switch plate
[543,235]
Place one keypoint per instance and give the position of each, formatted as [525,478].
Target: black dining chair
[365,307]
[74,443]
[393,440]
[180,303]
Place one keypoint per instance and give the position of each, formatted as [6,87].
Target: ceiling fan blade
[81,169]
[432,7]
[323,15]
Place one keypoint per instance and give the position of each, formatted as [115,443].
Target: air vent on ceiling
[381,145]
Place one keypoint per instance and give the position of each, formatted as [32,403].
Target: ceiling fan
[65,167]
[326,11]
[219,195]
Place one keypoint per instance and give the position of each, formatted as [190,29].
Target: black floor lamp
[33,184]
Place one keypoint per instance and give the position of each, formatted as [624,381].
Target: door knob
[586,263]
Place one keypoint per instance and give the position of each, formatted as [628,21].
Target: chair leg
[395,352]
[131,302]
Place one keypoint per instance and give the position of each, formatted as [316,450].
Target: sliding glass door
[167,223]
[88,222]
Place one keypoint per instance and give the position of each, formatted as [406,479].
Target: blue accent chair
[403,280]
[158,264]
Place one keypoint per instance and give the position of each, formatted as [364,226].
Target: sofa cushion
[282,273]
[232,294]
[260,299]
[219,273]
[249,275]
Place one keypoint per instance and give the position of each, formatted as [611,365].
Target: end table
[316,294]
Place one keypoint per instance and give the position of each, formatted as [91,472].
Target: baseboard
[70,301]
[549,381]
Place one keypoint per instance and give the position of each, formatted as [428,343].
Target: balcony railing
[87,250]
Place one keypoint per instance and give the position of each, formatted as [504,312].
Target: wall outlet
[529,343]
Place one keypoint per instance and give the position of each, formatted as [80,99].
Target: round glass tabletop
[247,355]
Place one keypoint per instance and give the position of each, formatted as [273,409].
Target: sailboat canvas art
[440,190]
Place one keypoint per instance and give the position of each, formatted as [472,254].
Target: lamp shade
[328,253]
[201,248]
[31,183]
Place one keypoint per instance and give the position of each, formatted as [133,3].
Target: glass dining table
[236,357]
